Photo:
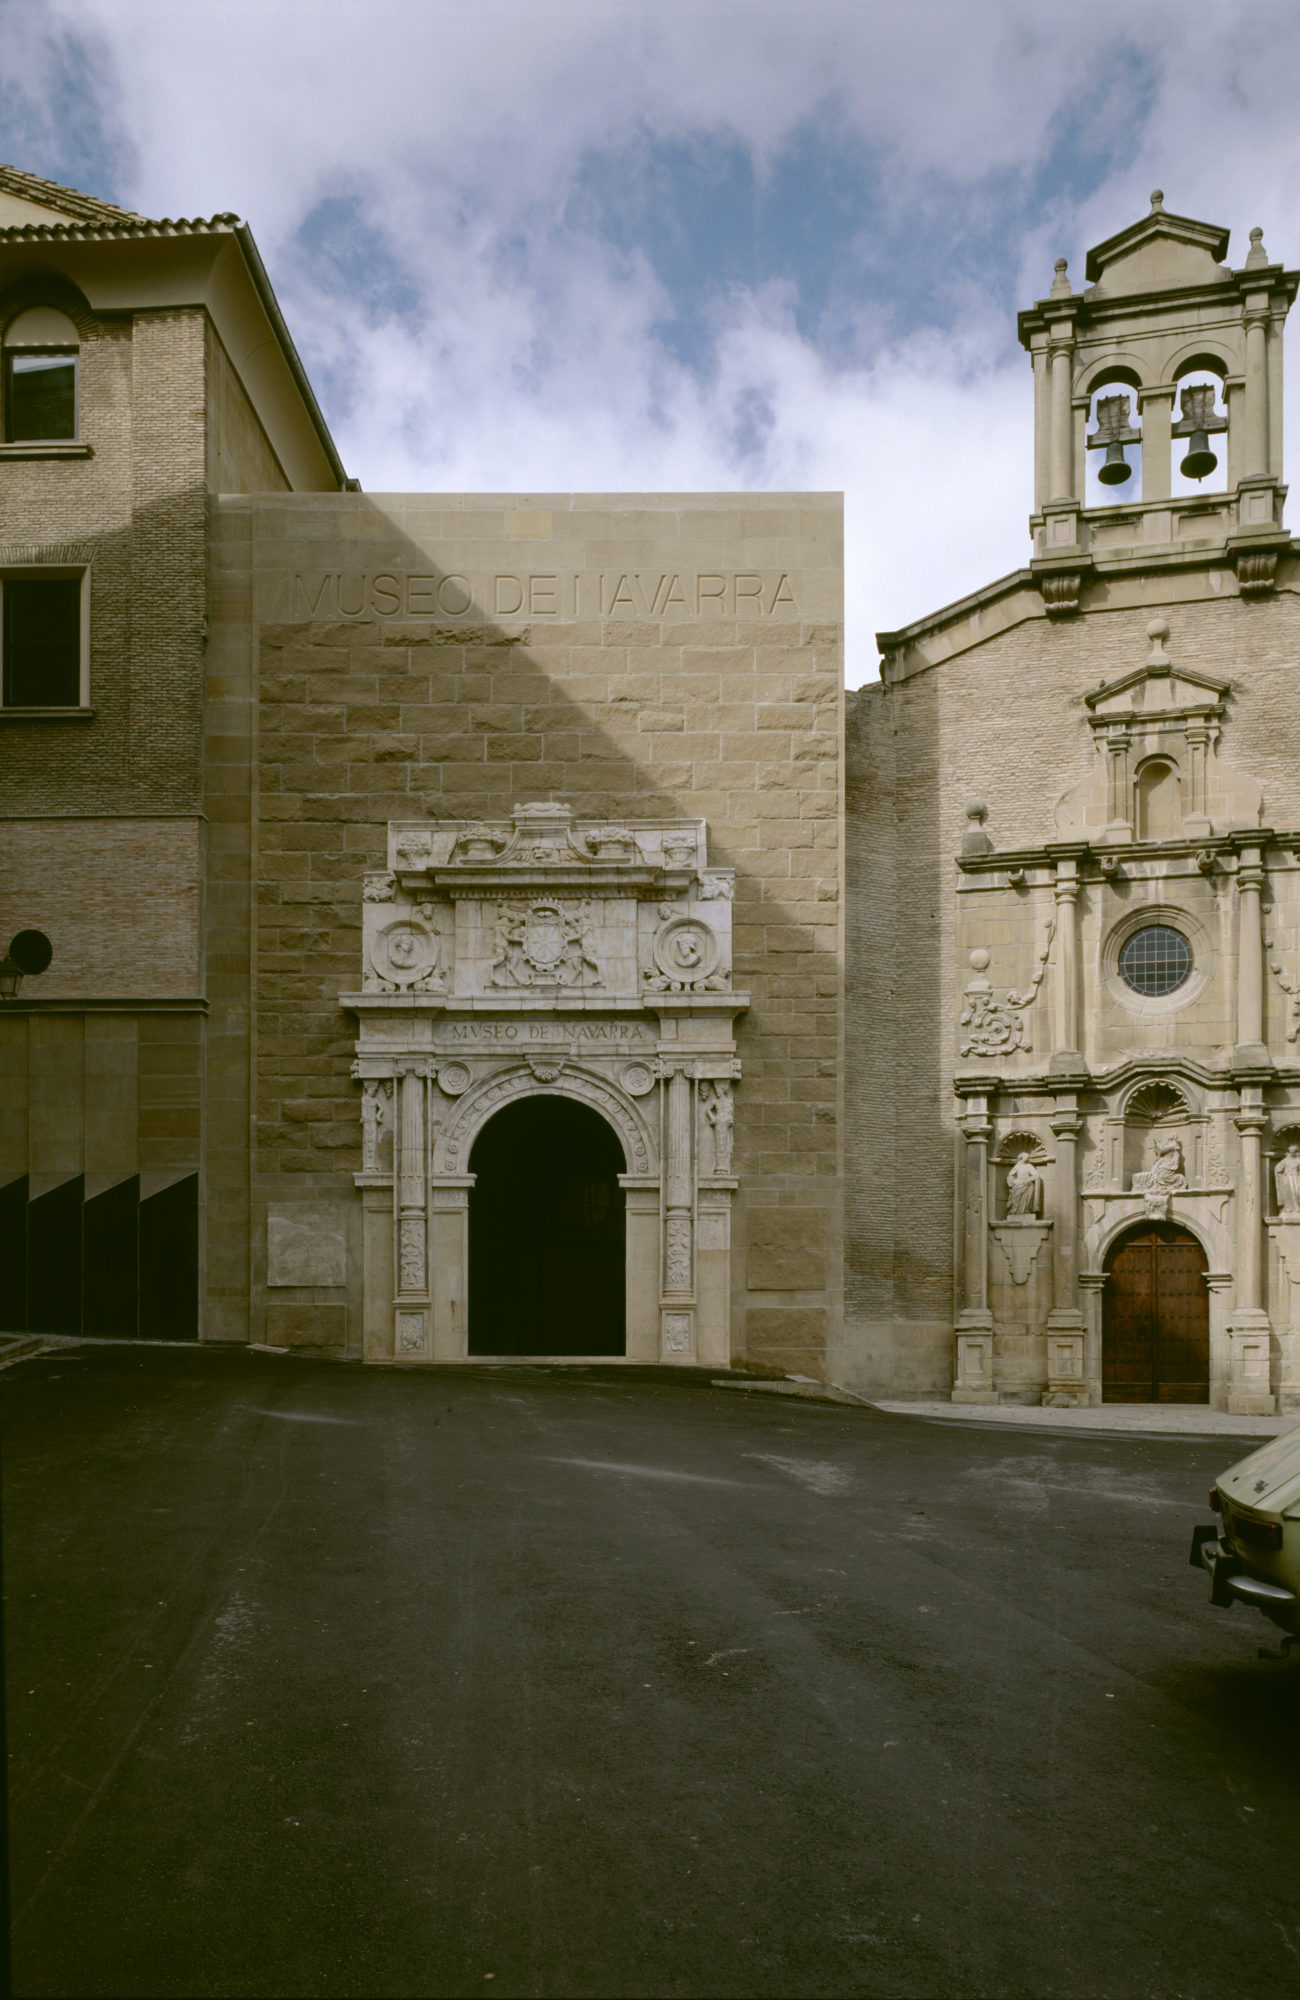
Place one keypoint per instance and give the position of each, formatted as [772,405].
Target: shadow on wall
[376,716]
[898,1138]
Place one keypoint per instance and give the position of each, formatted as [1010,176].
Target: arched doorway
[1155,1343]
[546,1232]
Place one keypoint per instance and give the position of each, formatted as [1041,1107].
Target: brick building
[448,893]
[370,828]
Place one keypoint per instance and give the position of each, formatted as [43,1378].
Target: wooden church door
[1156,1319]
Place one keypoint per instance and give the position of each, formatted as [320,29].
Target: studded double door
[1156,1319]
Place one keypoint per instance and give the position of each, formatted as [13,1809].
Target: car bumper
[1231,1582]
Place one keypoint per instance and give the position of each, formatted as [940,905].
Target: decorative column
[1066,1382]
[1250,1047]
[1249,1392]
[679,1210]
[1042,426]
[1062,468]
[1065,1010]
[973,1380]
[411,1319]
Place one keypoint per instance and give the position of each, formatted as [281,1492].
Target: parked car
[1253,1551]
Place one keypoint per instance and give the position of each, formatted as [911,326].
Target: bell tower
[1158,407]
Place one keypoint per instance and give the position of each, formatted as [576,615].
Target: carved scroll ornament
[996,1027]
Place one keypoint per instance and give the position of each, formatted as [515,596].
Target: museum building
[480,932]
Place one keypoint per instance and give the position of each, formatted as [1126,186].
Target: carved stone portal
[543,955]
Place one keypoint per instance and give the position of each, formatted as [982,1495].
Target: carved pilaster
[1066,1381]
[973,1375]
[1249,1393]
[1065,1039]
[1250,959]
[679,1186]
[411,1322]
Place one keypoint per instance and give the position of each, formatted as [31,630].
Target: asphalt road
[330,1681]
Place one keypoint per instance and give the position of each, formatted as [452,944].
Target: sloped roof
[66,201]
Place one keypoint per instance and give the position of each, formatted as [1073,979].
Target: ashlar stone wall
[633,656]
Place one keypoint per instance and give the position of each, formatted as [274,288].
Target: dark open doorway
[1155,1343]
[546,1232]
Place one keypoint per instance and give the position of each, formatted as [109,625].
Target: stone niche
[543,956]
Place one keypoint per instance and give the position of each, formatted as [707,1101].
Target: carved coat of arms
[545,945]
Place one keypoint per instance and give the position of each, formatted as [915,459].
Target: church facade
[480,932]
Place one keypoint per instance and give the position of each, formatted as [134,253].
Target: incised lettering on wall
[555,594]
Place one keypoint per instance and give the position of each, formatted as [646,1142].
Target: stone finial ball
[1158,628]
[1257,236]
[1157,196]
[976,809]
[979,960]
[1061,264]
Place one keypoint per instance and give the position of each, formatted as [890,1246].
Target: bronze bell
[1199,460]
[1114,433]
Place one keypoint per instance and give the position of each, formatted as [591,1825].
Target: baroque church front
[480,931]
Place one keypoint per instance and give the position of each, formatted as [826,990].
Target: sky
[678,245]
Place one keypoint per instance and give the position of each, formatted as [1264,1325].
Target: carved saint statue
[1024,1187]
[721,1116]
[1164,1177]
[1286,1179]
[372,1124]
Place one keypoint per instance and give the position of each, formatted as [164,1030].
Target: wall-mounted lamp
[28,954]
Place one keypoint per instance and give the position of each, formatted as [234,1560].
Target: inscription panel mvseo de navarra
[559,594]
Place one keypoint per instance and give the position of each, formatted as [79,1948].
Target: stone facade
[471,898]
[1097,747]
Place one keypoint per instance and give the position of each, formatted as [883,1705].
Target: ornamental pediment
[545,907]
[1154,691]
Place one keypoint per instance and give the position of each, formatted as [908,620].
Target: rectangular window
[41,636]
[40,397]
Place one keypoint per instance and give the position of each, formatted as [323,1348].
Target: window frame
[12,354]
[1201,941]
[51,573]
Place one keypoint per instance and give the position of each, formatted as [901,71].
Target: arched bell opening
[1113,436]
[1199,460]
[1155,1339]
[547,1230]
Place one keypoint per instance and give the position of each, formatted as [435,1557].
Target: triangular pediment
[1157,690]
[26,199]
[1158,252]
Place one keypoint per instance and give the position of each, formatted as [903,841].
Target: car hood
[1269,1478]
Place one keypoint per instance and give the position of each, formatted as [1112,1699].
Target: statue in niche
[1163,1178]
[1024,1187]
[720,1113]
[373,1118]
[1286,1179]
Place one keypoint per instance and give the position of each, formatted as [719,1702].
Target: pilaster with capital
[973,1379]
[1065,1013]
[1066,1380]
[1250,1049]
[1249,1391]
[1061,352]
[410,1305]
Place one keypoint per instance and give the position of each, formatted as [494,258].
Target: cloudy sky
[531,245]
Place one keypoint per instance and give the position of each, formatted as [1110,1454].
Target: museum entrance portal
[546,1233]
[1155,1345]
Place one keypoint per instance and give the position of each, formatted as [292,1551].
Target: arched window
[1159,814]
[41,349]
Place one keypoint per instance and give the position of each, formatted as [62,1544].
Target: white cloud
[534,356]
